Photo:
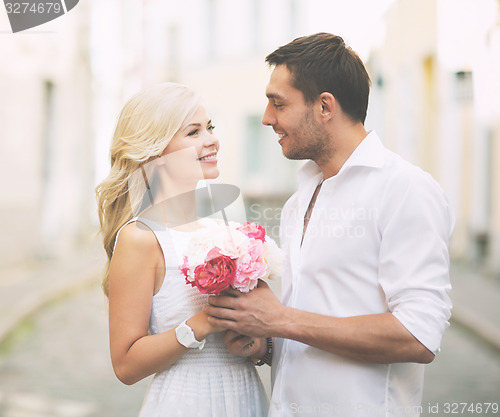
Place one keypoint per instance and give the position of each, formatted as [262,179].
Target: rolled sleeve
[414,259]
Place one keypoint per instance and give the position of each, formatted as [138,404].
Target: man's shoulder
[401,173]
[410,186]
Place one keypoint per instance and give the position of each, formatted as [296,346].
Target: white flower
[230,241]
[274,257]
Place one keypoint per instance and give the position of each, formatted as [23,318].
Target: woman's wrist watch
[185,336]
[267,357]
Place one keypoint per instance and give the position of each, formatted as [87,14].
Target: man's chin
[293,156]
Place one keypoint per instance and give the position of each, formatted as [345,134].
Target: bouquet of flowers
[232,255]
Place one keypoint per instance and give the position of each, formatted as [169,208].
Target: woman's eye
[211,128]
[193,132]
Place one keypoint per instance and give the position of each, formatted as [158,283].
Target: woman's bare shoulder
[137,236]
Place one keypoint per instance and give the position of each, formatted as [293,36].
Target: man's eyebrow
[274,96]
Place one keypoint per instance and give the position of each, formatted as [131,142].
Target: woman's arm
[137,266]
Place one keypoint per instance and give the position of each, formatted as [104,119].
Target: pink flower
[251,267]
[215,275]
[213,253]
[253,230]
[233,255]
[185,267]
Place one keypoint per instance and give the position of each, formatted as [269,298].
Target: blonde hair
[146,124]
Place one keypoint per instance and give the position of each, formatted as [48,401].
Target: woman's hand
[201,326]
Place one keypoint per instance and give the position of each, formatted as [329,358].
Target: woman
[162,146]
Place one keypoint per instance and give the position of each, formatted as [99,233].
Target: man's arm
[377,338]
[413,273]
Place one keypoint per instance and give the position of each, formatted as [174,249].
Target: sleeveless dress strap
[148,223]
[120,229]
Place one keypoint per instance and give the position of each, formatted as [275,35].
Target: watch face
[184,335]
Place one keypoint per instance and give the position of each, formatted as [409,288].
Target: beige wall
[96,62]
[45,138]
[441,120]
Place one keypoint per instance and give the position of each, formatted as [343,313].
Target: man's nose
[268,118]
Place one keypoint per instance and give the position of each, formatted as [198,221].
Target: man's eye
[193,132]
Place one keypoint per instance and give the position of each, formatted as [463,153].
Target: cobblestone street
[466,371]
[57,365]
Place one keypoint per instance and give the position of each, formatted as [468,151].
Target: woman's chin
[211,174]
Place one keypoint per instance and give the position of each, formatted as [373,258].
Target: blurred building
[436,101]
[46,141]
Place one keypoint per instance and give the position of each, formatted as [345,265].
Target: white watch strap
[185,336]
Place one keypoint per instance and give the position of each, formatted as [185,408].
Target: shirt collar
[369,153]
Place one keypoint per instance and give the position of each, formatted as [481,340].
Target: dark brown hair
[322,63]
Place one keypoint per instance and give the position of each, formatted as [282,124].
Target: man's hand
[257,313]
[375,338]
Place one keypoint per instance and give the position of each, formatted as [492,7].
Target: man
[366,280]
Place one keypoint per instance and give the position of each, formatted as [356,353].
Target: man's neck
[346,140]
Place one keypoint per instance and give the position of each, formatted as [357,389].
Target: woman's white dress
[203,383]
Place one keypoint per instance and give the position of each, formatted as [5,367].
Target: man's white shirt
[377,242]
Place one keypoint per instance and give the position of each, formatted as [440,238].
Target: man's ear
[328,105]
